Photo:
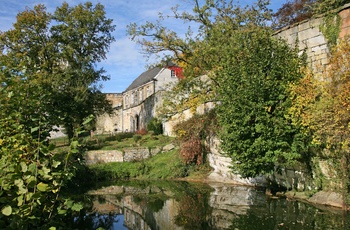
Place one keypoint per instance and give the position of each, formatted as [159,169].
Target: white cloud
[123,52]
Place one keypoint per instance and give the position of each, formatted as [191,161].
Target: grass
[119,143]
[165,165]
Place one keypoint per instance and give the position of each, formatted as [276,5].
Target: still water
[181,205]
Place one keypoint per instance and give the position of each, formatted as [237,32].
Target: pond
[170,205]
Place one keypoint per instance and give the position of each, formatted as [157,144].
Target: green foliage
[156,126]
[117,171]
[327,6]
[35,72]
[122,136]
[137,138]
[256,133]
[322,108]
[331,29]
[56,54]
[32,176]
[124,140]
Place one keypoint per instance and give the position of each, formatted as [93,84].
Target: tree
[39,69]
[298,10]
[253,88]
[292,12]
[31,174]
[59,53]
[249,73]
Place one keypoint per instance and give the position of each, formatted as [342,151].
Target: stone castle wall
[308,37]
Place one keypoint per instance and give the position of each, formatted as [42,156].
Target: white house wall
[164,80]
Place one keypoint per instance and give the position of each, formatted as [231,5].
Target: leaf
[7,210]
[77,207]
[42,187]
[24,167]
[20,200]
[32,130]
[55,164]
[52,228]
[61,211]
[45,172]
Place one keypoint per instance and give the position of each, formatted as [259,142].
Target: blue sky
[124,61]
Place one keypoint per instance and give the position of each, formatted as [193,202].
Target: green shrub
[122,136]
[156,126]
[137,138]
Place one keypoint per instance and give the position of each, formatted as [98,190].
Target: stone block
[308,34]
[304,26]
[103,156]
[316,22]
[318,40]
[155,151]
[168,147]
[136,154]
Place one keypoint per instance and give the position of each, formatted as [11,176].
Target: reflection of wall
[225,202]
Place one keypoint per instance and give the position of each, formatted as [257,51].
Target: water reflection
[181,205]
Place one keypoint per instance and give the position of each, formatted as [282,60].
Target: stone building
[138,104]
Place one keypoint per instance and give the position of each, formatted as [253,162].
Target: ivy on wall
[331,29]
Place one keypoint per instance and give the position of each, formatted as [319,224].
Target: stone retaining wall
[126,155]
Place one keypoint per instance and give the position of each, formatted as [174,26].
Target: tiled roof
[145,77]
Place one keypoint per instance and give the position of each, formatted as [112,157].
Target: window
[172,73]
[147,91]
[132,98]
[126,99]
[141,95]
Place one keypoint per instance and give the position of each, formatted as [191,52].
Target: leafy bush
[190,133]
[122,136]
[137,138]
[156,126]
[198,126]
[191,151]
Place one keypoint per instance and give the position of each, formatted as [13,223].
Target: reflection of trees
[282,214]
[193,212]
[87,218]
[153,202]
